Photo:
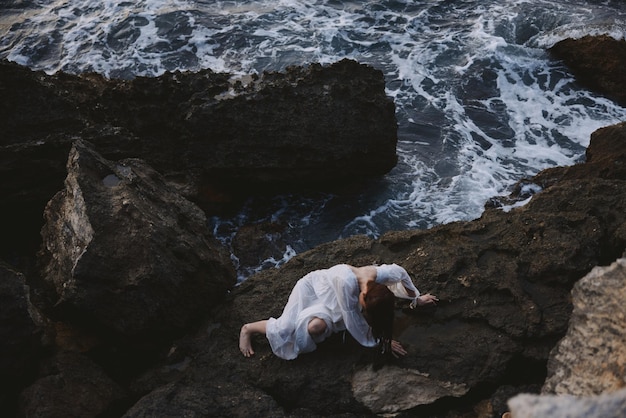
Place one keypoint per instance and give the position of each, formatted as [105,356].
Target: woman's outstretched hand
[397,350]
[427,299]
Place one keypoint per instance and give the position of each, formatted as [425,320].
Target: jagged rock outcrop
[378,389]
[597,62]
[124,253]
[588,366]
[313,126]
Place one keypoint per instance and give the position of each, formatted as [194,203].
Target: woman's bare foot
[246,333]
[245,341]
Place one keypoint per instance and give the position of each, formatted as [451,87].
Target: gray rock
[591,358]
[392,389]
[586,369]
[184,399]
[610,405]
[124,253]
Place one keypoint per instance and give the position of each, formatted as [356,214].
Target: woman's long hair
[379,313]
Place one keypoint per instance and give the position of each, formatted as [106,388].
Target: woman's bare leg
[245,336]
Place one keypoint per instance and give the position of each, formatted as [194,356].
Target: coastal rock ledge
[213,136]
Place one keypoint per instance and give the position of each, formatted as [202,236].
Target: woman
[343,297]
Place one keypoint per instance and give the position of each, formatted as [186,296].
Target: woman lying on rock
[357,299]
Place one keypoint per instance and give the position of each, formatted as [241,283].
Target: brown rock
[596,61]
[253,244]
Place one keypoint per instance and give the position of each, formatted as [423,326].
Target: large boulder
[591,358]
[611,405]
[310,126]
[597,62]
[587,367]
[124,253]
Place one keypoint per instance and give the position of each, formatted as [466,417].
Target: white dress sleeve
[398,281]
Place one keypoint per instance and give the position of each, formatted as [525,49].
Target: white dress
[332,295]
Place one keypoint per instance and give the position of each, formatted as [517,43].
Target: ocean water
[480,104]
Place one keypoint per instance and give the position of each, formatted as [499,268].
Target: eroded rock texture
[123,252]
[587,369]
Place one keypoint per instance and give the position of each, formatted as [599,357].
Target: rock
[124,254]
[591,358]
[611,405]
[178,399]
[587,367]
[380,392]
[20,345]
[253,244]
[309,127]
[596,61]
[74,387]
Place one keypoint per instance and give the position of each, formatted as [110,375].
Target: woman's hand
[397,350]
[427,299]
